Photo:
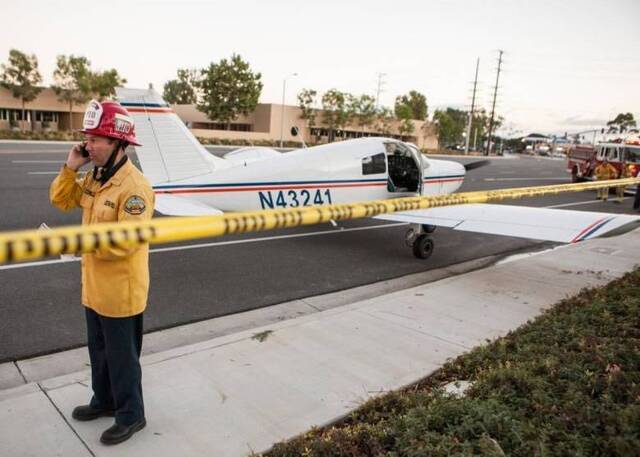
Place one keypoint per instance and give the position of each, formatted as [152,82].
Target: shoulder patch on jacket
[135,205]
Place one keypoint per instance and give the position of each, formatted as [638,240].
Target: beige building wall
[268,122]
[46,102]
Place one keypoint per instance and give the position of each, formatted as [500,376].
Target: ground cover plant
[565,384]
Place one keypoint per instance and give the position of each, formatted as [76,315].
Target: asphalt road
[40,308]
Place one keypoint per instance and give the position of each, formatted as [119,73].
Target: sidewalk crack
[66,421]
[309,304]
[398,324]
[24,378]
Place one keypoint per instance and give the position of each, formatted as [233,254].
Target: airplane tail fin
[169,151]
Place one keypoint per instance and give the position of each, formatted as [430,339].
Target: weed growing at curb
[262,336]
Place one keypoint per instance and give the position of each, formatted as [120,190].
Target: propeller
[478,164]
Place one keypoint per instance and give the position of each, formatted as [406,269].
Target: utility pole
[473,104]
[493,107]
[379,89]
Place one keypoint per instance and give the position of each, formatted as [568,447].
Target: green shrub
[566,384]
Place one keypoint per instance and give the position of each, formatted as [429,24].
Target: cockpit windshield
[397,148]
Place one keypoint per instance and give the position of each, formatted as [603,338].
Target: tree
[415,102]
[451,124]
[404,115]
[480,125]
[336,110]
[306,100]
[229,89]
[621,123]
[21,77]
[351,107]
[73,81]
[365,111]
[384,119]
[182,91]
[103,84]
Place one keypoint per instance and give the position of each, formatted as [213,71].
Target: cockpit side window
[373,165]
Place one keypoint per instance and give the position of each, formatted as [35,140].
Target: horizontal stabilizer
[564,226]
[172,205]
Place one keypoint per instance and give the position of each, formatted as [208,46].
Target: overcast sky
[568,65]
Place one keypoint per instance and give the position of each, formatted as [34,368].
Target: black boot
[89,413]
[118,433]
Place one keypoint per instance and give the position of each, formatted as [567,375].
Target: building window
[46,116]
[373,165]
[15,114]
[241,127]
[319,132]
[220,126]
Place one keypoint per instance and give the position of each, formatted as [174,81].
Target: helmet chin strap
[108,169]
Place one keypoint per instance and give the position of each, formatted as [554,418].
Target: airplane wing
[563,226]
[172,205]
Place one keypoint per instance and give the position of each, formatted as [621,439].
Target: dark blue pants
[116,376]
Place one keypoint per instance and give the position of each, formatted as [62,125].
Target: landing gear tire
[423,247]
[428,228]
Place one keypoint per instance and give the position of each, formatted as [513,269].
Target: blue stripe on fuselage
[291,183]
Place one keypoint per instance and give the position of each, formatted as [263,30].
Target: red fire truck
[583,159]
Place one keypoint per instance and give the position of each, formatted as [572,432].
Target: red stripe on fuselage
[444,180]
[276,187]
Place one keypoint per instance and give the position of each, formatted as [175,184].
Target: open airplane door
[417,156]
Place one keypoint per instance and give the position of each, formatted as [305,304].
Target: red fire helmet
[109,119]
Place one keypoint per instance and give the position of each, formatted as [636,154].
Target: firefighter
[624,173]
[115,279]
[603,172]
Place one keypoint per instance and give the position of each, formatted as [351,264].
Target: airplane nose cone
[455,169]
[460,169]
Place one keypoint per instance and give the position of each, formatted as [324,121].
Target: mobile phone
[83,150]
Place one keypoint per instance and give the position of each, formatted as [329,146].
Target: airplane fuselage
[321,175]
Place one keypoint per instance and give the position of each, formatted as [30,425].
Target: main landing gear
[417,238]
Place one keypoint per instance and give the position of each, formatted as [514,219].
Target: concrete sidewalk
[243,392]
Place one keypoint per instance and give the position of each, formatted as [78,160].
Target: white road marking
[565,178]
[44,151]
[54,143]
[218,243]
[35,161]
[43,172]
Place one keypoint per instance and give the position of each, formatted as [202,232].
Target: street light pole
[284,88]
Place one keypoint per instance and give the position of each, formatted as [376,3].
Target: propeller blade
[478,164]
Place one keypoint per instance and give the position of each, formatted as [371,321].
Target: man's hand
[75,159]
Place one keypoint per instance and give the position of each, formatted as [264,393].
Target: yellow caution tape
[35,244]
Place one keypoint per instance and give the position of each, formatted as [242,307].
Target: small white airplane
[190,181]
